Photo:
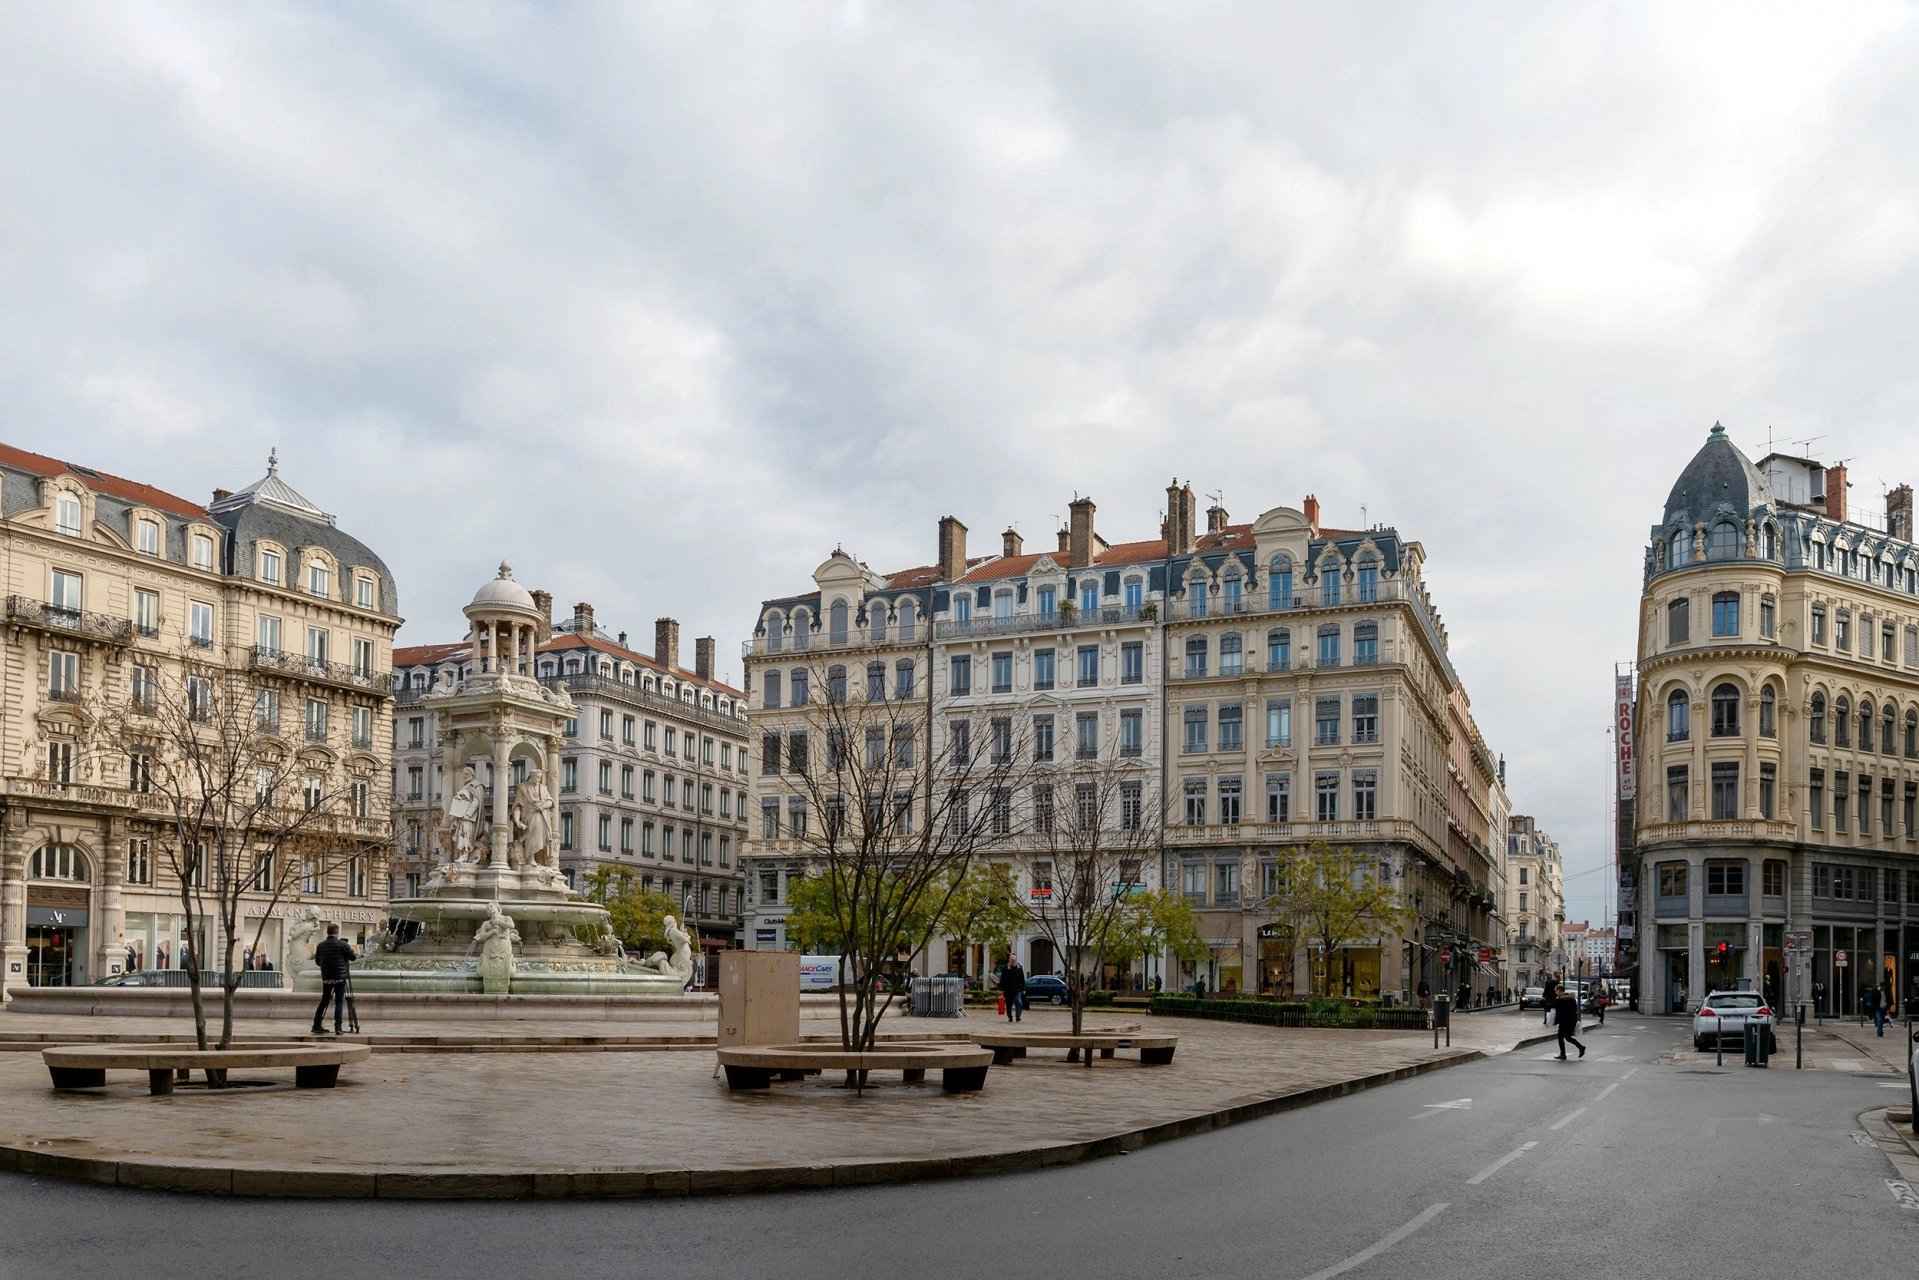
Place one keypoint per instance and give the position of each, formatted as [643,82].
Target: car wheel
[1059,999]
[1698,1044]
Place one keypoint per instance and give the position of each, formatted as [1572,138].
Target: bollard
[1799,1049]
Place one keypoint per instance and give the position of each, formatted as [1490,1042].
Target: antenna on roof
[1218,496]
[1362,517]
[1807,441]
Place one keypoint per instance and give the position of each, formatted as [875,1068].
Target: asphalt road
[1622,1164]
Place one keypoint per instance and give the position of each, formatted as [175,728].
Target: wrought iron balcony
[319,671]
[78,624]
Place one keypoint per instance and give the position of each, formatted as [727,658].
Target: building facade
[1535,902]
[1274,682]
[116,587]
[653,772]
[1777,735]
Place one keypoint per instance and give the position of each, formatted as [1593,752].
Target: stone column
[502,782]
[13,914]
[109,922]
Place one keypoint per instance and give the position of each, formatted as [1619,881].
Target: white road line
[1601,1095]
[1500,1163]
[1629,1075]
[1379,1246]
[1567,1119]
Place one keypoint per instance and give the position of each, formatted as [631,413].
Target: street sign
[1839,959]
[1799,940]
[1485,955]
[1445,955]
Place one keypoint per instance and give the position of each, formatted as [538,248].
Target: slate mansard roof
[1718,479]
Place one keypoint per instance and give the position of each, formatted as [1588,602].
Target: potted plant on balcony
[1149,612]
[1066,611]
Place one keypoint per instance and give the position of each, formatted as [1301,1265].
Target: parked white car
[1532,998]
[1726,1013]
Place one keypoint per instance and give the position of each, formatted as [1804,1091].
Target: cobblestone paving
[668,1111]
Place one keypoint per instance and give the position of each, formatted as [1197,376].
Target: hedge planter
[1272,1013]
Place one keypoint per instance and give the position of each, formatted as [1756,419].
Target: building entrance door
[51,951]
[1678,980]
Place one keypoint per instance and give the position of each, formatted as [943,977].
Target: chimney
[703,657]
[218,494]
[952,549]
[1836,491]
[1179,525]
[583,618]
[1899,512]
[1010,542]
[666,642]
[622,639]
[1215,518]
[1311,508]
[543,601]
[1065,541]
[1080,549]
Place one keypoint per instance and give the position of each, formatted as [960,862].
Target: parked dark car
[1046,987]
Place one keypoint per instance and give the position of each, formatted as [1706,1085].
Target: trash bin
[920,997]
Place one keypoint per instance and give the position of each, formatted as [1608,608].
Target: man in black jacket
[1566,1020]
[335,957]
[1012,985]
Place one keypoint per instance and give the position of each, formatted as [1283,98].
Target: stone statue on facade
[539,821]
[463,816]
[680,963]
[496,937]
[1699,542]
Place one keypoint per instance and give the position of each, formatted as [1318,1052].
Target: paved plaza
[574,1119]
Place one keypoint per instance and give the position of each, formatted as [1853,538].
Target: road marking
[1602,1094]
[1567,1119]
[1903,1193]
[1615,1057]
[1629,1075]
[1380,1246]
[1892,1085]
[1502,1162]
[1436,1108]
[1864,1139]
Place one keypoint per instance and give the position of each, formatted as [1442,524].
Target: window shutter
[1112,583]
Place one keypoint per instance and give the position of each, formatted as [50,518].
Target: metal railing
[24,611]
[818,641]
[320,671]
[591,685]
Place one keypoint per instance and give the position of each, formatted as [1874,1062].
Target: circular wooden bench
[1154,1050]
[962,1067]
[85,1066]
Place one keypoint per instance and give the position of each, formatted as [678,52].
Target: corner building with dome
[1776,736]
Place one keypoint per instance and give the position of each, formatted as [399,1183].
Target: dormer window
[148,538]
[319,579]
[270,567]
[363,591]
[202,551]
[66,515]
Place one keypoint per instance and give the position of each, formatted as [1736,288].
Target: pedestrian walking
[1425,994]
[1566,1023]
[335,956]
[1600,1002]
[1012,985]
[1546,1003]
[1876,1002]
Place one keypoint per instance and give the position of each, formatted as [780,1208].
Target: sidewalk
[1892,1051]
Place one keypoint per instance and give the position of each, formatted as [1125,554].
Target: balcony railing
[1721,829]
[1059,620]
[316,733]
[79,624]
[586,684]
[66,693]
[320,671]
[818,641]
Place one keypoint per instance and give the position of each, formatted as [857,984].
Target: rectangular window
[566,829]
[1195,802]
[319,580]
[1818,624]
[1816,798]
[1279,798]
[146,612]
[606,778]
[1086,736]
[363,658]
[140,860]
[1131,809]
[1195,721]
[1842,631]
[1196,656]
[1725,879]
[1231,735]
[1888,646]
[1768,618]
[1672,880]
[1326,721]
[1768,788]
[200,624]
[1132,734]
[1885,807]
[606,833]
[1132,662]
[962,678]
[769,820]
[1725,790]
[1048,601]
[1229,801]
[1193,881]
[1725,614]
[1773,879]
[1042,737]
[1326,797]
[66,515]
[960,737]
[317,639]
[363,727]
[1329,646]
[1839,801]
[1088,665]
[363,592]
[1042,668]
[1279,724]
[1365,717]
[1365,795]
[150,541]
[626,781]
[1865,805]
[1002,673]
[63,676]
[1911,809]
[1043,808]
[1676,799]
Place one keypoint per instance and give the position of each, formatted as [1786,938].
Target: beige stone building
[653,772]
[1535,894]
[1777,737]
[113,586]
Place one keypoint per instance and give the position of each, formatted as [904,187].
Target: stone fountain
[496,916]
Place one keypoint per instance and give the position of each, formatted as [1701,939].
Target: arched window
[775,632]
[836,622]
[1279,583]
[1235,591]
[1842,721]
[1196,594]
[1725,711]
[836,684]
[1681,548]
[908,615]
[1089,596]
[1768,713]
[1888,729]
[876,682]
[1912,734]
[1231,656]
[1368,580]
[1196,656]
[876,619]
[59,862]
[1723,543]
[546,668]
[1328,645]
[1816,718]
[1772,541]
[771,690]
[1329,582]
[1279,649]
[1678,716]
[1678,621]
[802,629]
[1865,725]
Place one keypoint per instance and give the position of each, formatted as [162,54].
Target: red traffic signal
[1724,948]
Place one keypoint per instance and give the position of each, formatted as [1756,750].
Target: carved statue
[33,757]
[538,820]
[463,815]
[1699,541]
[680,963]
[1752,539]
[609,944]
[496,938]
[303,935]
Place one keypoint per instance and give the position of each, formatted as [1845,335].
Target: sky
[663,302]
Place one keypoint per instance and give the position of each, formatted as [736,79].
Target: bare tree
[1333,895]
[901,795]
[1096,823]
[240,812]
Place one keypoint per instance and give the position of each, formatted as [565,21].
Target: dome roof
[502,592]
[1719,476]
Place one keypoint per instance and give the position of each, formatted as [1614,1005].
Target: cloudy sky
[661,301]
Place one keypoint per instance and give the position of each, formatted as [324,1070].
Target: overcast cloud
[662,302]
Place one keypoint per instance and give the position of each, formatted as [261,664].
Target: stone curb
[11,1042]
[1896,1142]
[403,1183]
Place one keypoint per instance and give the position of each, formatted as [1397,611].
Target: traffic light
[1724,948]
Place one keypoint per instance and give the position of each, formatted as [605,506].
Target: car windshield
[1733,1002]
